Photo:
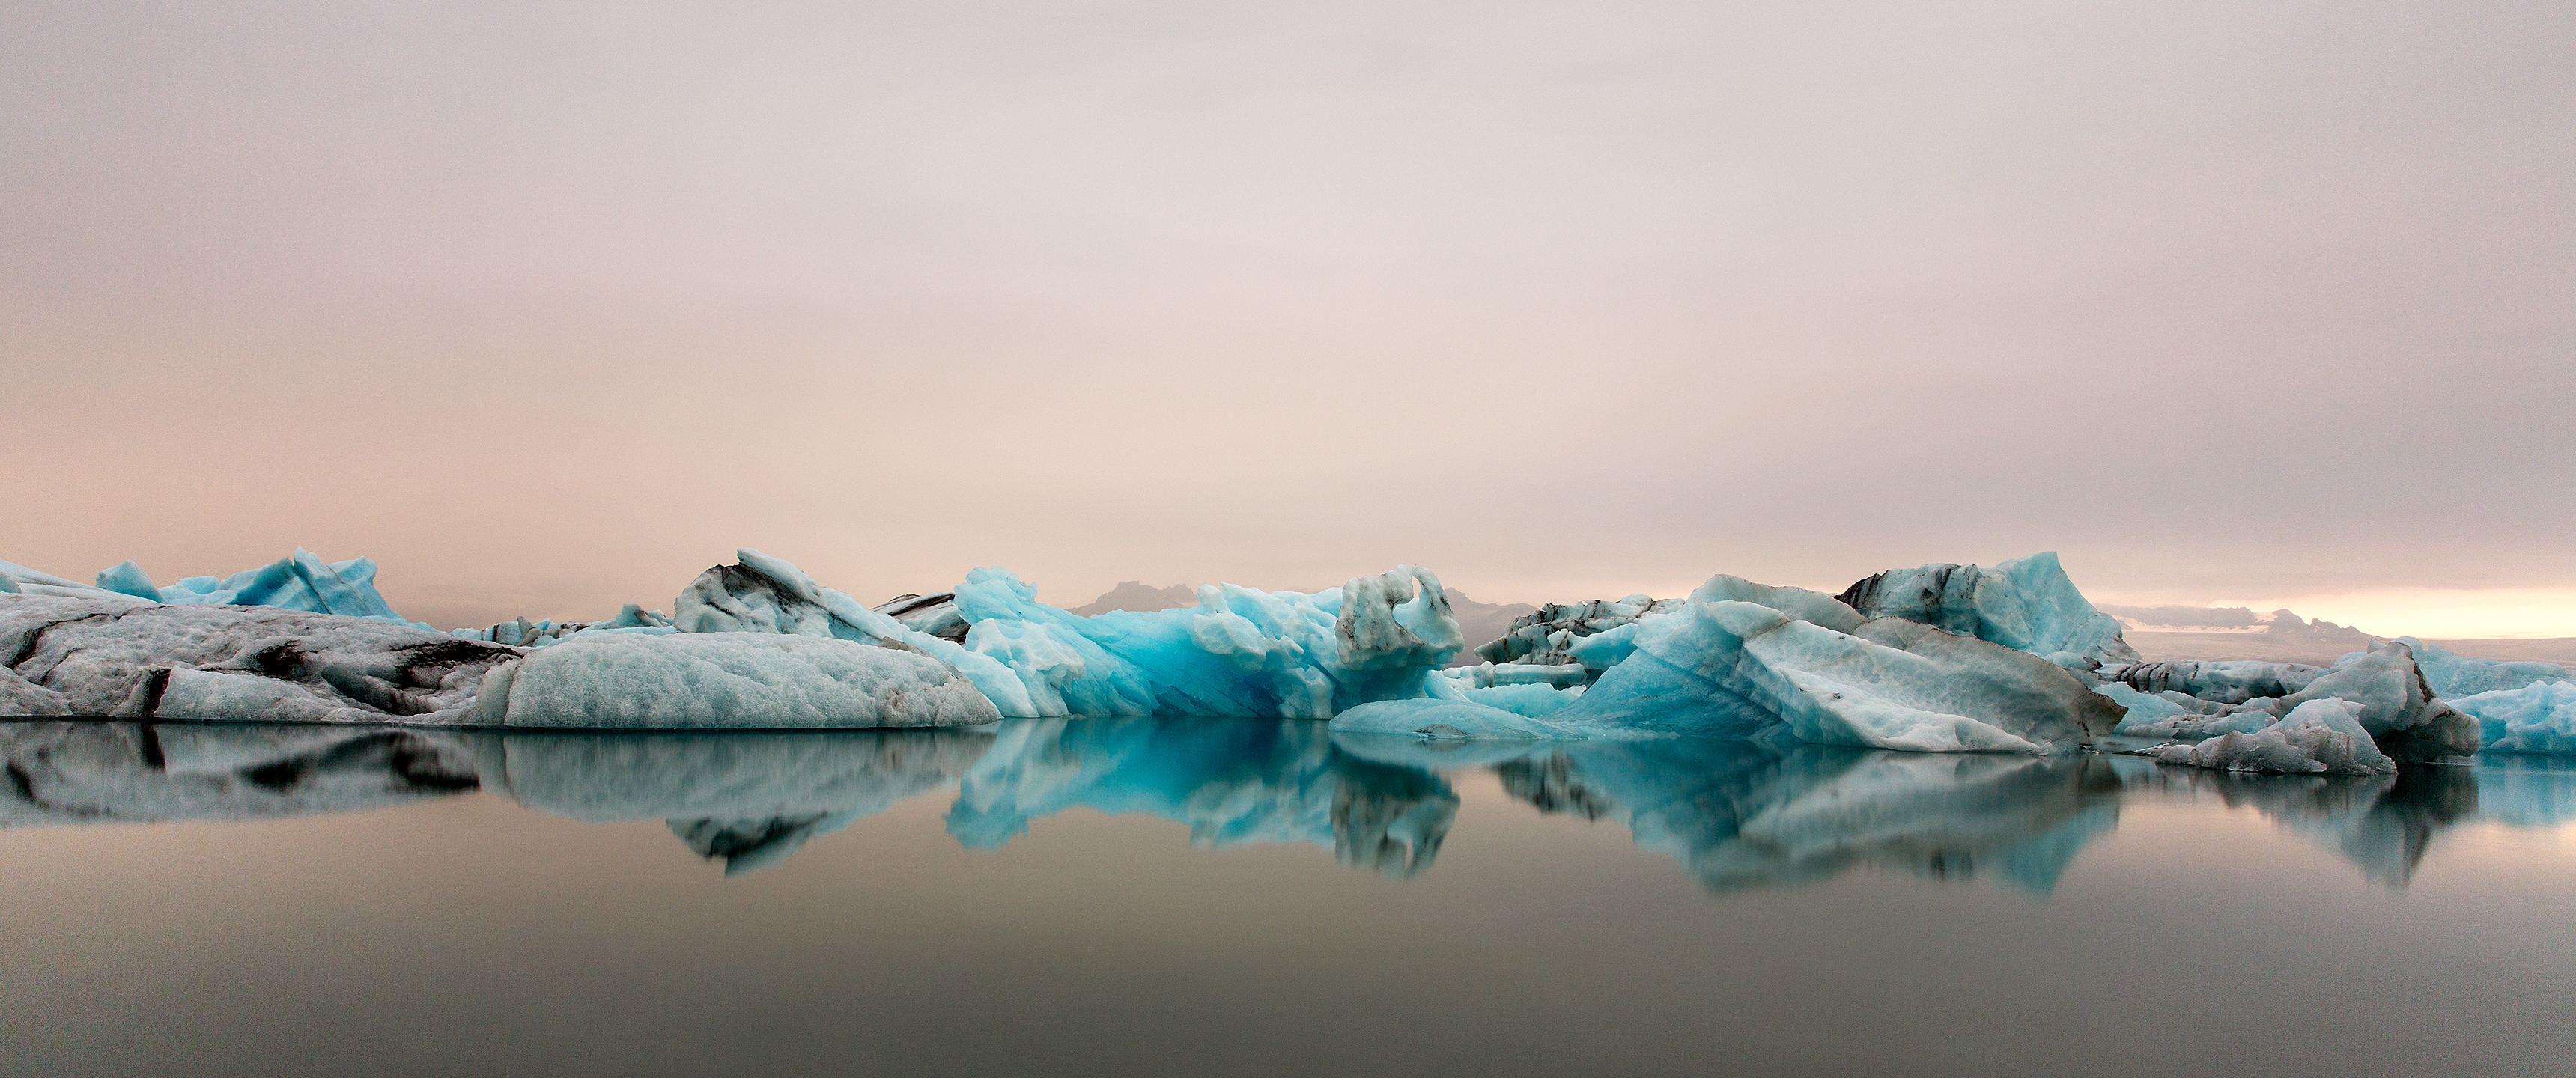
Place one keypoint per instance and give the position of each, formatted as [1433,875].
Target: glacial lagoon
[1240,896]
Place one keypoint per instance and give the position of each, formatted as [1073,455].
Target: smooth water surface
[1228,896]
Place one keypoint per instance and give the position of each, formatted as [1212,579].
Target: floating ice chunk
[2234,681]
[2404,717]
[1240,652]
[2028,604]
[2452,675]
[698,681]
[16,579]
[2321,736]
[128,578]
[297,582]
[145,660]
[1730,667]
[1551,635]
[2535,718]
[1437,718]
[633,619]
[2142,708]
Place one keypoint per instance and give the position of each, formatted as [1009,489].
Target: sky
[548,306]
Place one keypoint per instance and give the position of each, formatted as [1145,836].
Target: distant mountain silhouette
[2235,632]
[1134,595]
[1482,622]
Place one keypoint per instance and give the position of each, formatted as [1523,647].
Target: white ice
[2319,736]
[701,681]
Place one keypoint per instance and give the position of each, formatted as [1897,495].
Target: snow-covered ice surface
[138,659]
[2393,702]
[2323,736]
[699,681]
[1730,666]
[86,656]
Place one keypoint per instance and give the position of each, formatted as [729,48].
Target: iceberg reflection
[2380,823]
[1233,781]
[747,799]
[120,772]
[1735,814]
[1740,814]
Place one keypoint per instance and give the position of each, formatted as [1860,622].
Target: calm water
[1222,896]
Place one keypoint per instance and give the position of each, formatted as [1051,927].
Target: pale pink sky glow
[549,306]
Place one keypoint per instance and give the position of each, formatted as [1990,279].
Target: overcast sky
[548,306]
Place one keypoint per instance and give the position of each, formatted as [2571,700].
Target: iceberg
[1731,666]
[2321,736]
[1239,652]
[2452,675]
[77,656]
[299,581]
[2538,718]
[144,660]
[2403,716]
[633,620]
[729,680]
[2027,604]
[16,579]
[1550,636]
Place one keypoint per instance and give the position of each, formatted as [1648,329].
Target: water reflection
[747,799]
[1734,814]
[115,772]
[2380,823]
[1232,781]
[1739,815]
